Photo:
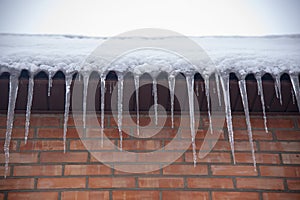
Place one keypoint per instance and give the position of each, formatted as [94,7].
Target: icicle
[110,87]
[67,107]
[295,83]
[120,107]
[218,87]
[190,87]
[102,107]
[137,86]
[225,87]
[49,83]
[13,91]
[206,81]
[293,95]
[85,90]
[28,107]
[261,93]
[202,88]
[155,99]
[171,80]
[278,88]
[197,90]
[243,90]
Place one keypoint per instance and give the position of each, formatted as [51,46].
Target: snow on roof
[242,55]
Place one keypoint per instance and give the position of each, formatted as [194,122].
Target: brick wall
[40,169]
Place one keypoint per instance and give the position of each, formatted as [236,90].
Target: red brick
[12,146]
[293,184]
[179,195]
[20,158]
[201,134]
[238,146]
[290,158]
[281,196]
[135,195]
[135,169]
[56,133]
[111,156]
[1,196]
[41,170]
[211,157]
[17,133]
[185,170]
[58,157]
[280,171]
[142,144]
[235,195]
[2,171]
[94,144]
[16,184]
[287,135]
[85,195]
[32,195]
[209,182]
[280,146]
[51,183]
[273,122]
[259,183]
[38,120]
[233,170]
[257,135]
[159,182]
[260,158]
[108,182]
[87,170]
[160,157]
[42,145]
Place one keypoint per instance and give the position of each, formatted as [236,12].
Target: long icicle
[29,104]
[262,100]
[85,90]
[155,99]
[206,82]
[67,107]
[49,83]
[225,87]
[278,86]
[102,106]
[243,90]
[190,88]
[171,80]
[13,92]
[218,88]
[137,85]
[295,83]
[120,107]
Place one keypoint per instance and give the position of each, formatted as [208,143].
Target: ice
[206,82]
[13,92]
[278,88]
[225,87]
[171,81]
[155,99]
[295,83]
[243,90]
[85,90]
[102,78]
[293,96]
[29,103]
[120,107]
[67,107]
[137,86]
[262,100]
[49,83]
[190,88]
[197,90]
[218,88]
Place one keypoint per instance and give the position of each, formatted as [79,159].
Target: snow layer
[241,55]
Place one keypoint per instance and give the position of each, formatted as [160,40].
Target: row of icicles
[223,78]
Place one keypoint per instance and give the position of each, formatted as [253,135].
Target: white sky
[189,17]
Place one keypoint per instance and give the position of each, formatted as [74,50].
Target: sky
[188,17]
